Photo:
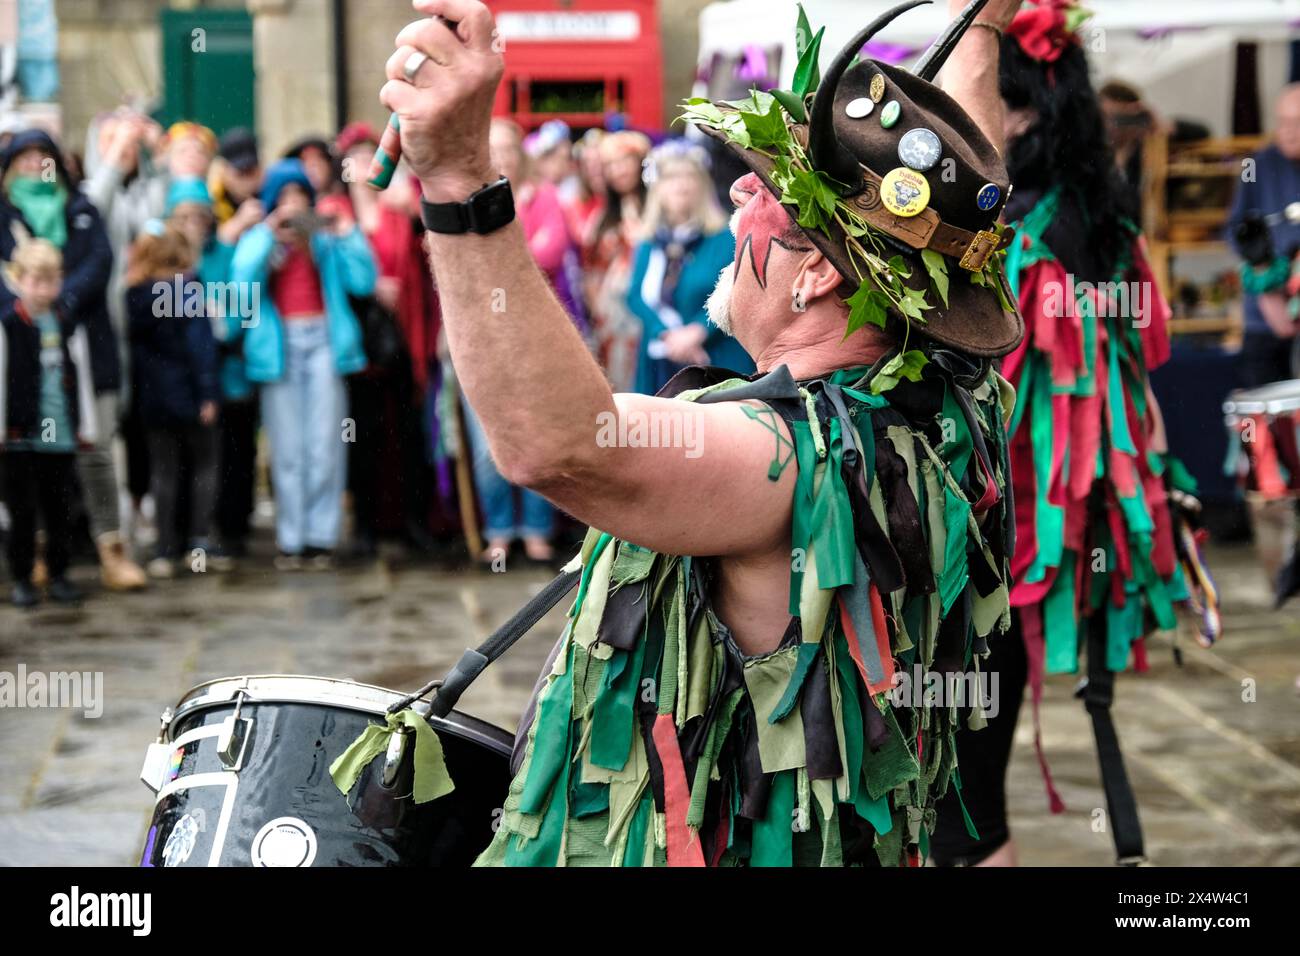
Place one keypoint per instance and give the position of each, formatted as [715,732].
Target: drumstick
[387,155]
[389,152]
[1291,213]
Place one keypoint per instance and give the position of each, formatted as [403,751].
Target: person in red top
[511,512]
[584,196]
[607,256]
[296,289]
[301,343]
[389,472]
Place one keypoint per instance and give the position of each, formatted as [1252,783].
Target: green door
[208,75]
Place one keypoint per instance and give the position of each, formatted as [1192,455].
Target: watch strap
[485,211]
[451,217]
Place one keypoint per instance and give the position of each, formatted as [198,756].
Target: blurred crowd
[193,331]
[192,327]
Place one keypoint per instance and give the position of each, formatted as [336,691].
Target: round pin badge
[988,196]
[877,88]
[920,149]
[858,108]
[905,192]
[889,114]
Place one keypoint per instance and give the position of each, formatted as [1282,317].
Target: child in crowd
[190,209]
[47,409]
[174,357]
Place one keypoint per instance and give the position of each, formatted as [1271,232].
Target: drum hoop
[325,691]
[1276,398]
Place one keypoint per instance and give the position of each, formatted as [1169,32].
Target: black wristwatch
[485,211]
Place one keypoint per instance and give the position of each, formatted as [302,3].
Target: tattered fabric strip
[657,742]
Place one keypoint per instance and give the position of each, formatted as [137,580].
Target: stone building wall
[109,52]
[293,44]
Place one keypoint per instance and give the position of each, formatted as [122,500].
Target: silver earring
[796,301]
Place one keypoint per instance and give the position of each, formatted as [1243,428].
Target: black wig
[1066,145]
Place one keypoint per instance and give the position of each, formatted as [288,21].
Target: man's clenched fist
[447,106]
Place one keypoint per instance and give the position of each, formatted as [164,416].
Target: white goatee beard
[719,301]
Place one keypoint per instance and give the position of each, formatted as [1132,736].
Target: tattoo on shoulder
[784,450]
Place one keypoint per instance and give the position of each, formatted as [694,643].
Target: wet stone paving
[1213,747]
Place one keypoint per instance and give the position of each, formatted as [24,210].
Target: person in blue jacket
[1268,242]
[686,244]
[174,363]
[301,343]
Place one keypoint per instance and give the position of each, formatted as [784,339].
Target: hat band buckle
[983,245]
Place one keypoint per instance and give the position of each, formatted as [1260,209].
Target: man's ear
[817,278]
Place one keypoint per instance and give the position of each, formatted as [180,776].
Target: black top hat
[908,160]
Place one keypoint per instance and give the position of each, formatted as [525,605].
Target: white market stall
[1179,52]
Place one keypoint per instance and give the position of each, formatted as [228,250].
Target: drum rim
[201,697]
[1272,398]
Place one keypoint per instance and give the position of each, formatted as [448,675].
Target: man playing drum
[726,690]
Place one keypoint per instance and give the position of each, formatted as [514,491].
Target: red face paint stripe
[762,221]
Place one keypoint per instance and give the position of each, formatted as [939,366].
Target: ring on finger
[413,63]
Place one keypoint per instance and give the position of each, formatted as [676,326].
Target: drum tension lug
[233,739]
[157,755]
[393,757]
[164,723]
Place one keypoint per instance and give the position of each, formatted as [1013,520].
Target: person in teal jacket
[686,244]
[303,339]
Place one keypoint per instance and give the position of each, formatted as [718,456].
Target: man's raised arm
[543,401]
[971,74]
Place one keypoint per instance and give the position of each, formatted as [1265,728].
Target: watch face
[492,207]
[498,201]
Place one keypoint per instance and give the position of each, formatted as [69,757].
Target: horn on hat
[932,61]
[824,148]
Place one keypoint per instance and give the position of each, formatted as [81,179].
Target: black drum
[1266,421]
[241,769]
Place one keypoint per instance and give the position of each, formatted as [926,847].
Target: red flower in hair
[1047,28]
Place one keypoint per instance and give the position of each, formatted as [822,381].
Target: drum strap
[1121,807]
[473,662]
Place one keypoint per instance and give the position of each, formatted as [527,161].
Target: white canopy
[1179,52]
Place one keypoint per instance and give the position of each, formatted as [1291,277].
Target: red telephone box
[580,61]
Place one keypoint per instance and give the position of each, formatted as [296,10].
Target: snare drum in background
[242,774]
[1266,422]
